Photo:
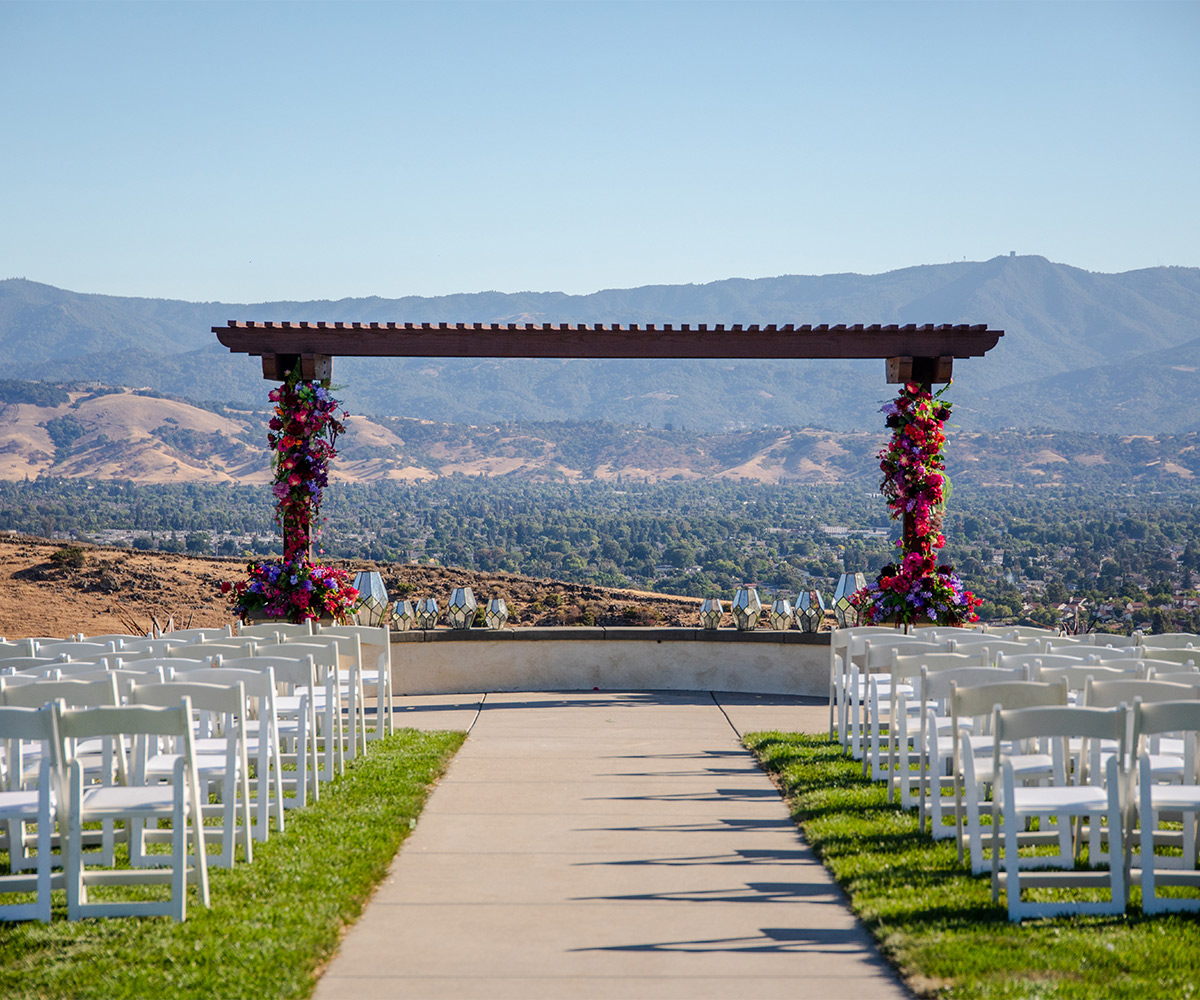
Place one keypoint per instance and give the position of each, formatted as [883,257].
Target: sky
[249,152]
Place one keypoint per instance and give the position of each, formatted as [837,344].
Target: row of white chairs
[926,722]
[291,701]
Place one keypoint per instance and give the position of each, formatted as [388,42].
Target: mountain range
[144,437]
[1082,351]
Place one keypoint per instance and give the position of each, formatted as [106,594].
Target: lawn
[273,924]
[937,923]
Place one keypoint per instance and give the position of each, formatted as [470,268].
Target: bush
[71,556]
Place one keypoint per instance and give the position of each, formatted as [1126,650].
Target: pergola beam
[924,352]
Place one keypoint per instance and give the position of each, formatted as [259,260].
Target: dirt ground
[125,590]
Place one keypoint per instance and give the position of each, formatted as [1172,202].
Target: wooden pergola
[913,353]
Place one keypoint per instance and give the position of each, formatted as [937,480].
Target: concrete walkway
[607,845]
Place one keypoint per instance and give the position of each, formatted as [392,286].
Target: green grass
[273,923]
[937,923]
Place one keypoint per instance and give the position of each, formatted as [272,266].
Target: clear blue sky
[256,151]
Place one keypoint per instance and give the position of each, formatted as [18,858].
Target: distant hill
[143,437]
[1070,334]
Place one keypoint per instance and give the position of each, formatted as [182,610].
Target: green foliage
[64,432]
[69,556]
[273,923]
[937,923]
[33,393]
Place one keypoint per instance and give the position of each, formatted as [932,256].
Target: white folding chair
[262,738]
[839,673]
[295,725]
[871,674]
[375,656]
[20,806]
[342,655]
[1070,795]
[223,767]
[1181,718]
[936,780]
[1171,640]
[97,759]
[971,711]
[276,631]
[215,632]
[904,713]
[178,802]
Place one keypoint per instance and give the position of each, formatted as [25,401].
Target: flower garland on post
[302,435]
[916,487]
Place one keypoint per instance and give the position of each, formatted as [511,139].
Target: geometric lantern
[847,586]
[372,603]
[427,612]
[461,609]
[711,612]
[403,615]
[810,610]
[746,609]
[781,614]
[496,614]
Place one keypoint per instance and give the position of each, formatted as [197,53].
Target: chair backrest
[216,632]
[1077,676]
[374,643]
[20,725]
[276,631]
[27,724]
[1107,694]
[1158,717]
[227,699]
[1063,643]
[147,647]
[31,664]
[74,648]
[75,693]
[856,638]
[1141,664]
[1189,677]
[1036,661]
[910,665]
[1172,640]
[977,701]
[326,652]
[1061,726]
[1028,632]
[936,685]
[1181,656]
[16,647]
[878,654]
[227,646]
[1102,654]
[290,672]
[120,638]
[258,683]
[1011,647]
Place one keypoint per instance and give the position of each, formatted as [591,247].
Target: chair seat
[1185,797]
[162,765]
[119,800]
[1071,800]
[1024,765]
[19,805]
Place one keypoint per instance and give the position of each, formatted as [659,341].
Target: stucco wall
[444,662]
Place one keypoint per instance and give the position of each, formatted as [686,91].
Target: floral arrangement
[302,436]
[916,487]
[295,591]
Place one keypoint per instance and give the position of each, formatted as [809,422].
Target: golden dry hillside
[119,590]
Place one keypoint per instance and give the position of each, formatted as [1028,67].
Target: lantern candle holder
[746,609]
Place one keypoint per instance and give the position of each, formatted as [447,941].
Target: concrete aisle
[608,845]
